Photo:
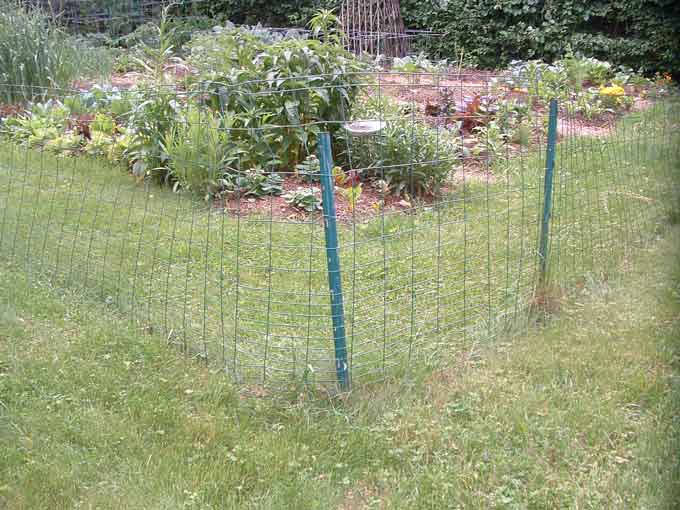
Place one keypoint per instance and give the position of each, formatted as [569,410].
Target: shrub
[283,92]
[409,156]
[638,33]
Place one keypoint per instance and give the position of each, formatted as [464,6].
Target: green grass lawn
[250,295]
[579,413]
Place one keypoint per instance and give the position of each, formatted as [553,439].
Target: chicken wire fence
[344,248]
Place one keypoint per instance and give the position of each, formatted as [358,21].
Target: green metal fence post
[547,191]
[333,260]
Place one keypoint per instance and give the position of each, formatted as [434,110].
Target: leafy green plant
[310,169]
[587,103]
[158,51]
[565,80]
[575,69]
[99,145]
[512,111]
[626,76]
[200,150]
[67,144]
[42,123]
[254,183]
[103,99]
[128,60]
[521,134]
[326,26]
[409,156]
[288,88]
[490,140]
[418,64]
[306,199]
[104,124]
[122,146]
[179,28]
[513,118]
[352,194]
[598,72]
[149,121]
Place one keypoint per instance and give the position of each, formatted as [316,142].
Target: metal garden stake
[333,260]
[547,190]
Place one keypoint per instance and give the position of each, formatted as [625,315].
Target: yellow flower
[614,90]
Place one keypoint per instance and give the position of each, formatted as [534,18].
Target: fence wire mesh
[242,282]
[188,198]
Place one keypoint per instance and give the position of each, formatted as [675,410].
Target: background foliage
[491,32]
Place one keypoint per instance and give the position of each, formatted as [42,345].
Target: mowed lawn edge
[580,412]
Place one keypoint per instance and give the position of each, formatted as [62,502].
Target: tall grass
[37,56]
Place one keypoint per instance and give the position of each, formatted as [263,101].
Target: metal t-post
[333,260]
[548,191]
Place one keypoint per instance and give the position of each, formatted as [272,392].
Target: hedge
[637,33]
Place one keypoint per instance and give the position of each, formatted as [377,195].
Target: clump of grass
[37,56]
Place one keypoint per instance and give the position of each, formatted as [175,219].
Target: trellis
[375,27]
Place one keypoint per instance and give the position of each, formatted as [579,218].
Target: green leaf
[292,111]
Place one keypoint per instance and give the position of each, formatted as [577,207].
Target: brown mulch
[8,110]
[371,203]
[422,91]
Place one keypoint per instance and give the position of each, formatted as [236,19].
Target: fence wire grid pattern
[242,283]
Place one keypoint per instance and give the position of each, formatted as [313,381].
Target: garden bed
[233,115]
[119,192]
[371,204]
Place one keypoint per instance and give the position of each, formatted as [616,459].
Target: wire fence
[427,242]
